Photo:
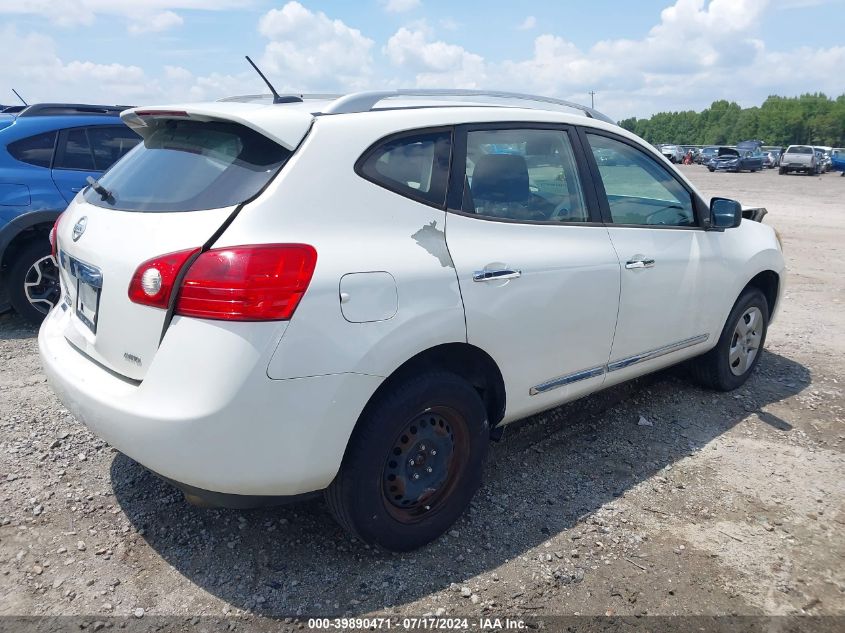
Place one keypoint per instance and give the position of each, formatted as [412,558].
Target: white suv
[264,301]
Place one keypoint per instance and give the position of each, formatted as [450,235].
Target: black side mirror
[725,213]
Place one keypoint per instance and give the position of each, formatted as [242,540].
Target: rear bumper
[207,416]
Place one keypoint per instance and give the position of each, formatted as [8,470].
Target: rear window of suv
[799,149]
[190,166]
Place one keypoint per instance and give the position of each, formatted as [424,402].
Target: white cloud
[310,51]
[435,63]
[400,6]
[528,23]
[32,66]
[69,13]
[698,52]
[156,23]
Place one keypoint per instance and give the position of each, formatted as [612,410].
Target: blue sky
[640,57]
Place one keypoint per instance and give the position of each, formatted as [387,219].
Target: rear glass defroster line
[180,277]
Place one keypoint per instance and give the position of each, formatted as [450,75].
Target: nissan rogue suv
[265,301]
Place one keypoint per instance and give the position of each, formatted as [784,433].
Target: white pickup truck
[799,158]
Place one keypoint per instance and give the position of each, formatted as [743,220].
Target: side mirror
[725,213]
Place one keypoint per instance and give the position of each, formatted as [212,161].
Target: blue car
[46,153]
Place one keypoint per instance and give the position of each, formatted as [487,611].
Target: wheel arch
[768,282]
[22,229]
[467,361]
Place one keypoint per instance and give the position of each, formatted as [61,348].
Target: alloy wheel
[41,284]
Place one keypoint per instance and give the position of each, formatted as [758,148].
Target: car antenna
[277,98]
[19,97]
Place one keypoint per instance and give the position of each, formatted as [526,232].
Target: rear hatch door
[171,193]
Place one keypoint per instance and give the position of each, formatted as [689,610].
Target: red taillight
[161,113]
[153,280]
[241,283]
[54,242]
[247,283]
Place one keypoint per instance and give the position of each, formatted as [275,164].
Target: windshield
[189,166]
[799,149]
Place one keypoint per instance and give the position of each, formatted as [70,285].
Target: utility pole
[592,94]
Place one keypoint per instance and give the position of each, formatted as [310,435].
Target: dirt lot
[726,504]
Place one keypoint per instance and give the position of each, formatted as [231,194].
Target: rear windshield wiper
[105,194]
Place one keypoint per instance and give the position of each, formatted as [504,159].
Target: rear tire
[413,462]
[728,365]
[33,281]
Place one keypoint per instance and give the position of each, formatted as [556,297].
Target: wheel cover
[745,342]
[41,284]
[424,464]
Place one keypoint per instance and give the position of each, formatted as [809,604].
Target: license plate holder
[87,304]
[89,285]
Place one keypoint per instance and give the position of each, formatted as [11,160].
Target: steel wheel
[41,284]
[424,464]
[745,342]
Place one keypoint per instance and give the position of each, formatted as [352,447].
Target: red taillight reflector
[54,240]
[153,280]
[247,283]
[160,113]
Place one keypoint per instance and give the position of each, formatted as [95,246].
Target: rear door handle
[639,262]
[76,189]
[494,275]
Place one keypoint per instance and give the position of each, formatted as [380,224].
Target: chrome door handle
[639,263]
[76,189]
[495,275]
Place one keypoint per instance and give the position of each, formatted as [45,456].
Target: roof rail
[365,101]
[267,96]
[65,109]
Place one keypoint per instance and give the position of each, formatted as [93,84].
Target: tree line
[812,119]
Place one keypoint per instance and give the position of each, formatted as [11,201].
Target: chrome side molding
[560,381]
[593,372]
[656,353]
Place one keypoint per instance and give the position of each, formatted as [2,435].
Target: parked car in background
[736,160]
[837,160]
[706,154]
[799,158]
[771,158]
[46,153]
[823,158]
[226,323]
[675,153]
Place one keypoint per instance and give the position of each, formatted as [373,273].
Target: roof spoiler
[70,109]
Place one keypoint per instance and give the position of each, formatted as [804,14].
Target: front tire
[728,365]
[33,281]
[413,463]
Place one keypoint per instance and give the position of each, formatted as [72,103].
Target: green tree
[808,118]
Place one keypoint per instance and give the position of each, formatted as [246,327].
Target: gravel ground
[718,504]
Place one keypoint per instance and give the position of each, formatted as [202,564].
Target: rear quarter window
[414,165]
[34,150]
[191,166]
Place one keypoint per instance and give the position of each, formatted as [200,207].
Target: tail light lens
[247,283]
[241,283]
[54,243]
[153,281]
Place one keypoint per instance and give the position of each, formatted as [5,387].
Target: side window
[523,174]
[639,189]
[109,143]
[36,150]
[74,152]
[415,166]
